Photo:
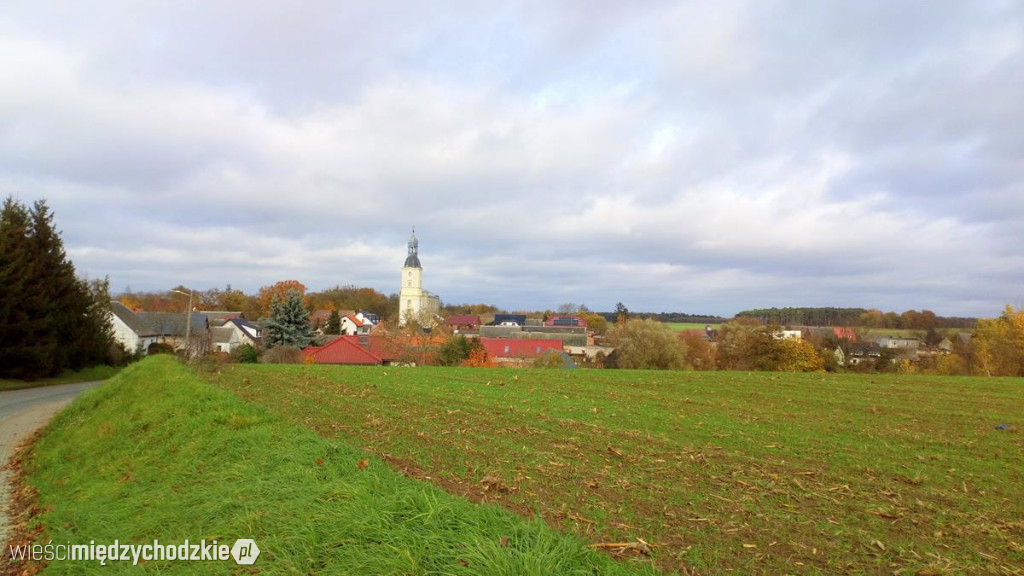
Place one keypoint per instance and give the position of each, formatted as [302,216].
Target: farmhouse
[129,330]
[139,331]
[518,350]
[173,327]
[363,349]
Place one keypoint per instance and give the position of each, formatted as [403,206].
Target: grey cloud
[698,156]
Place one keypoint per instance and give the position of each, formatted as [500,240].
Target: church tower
[414,302]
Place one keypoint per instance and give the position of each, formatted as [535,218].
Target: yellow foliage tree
[999,344]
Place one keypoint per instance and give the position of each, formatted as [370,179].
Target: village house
[129,330]
[352,324]
[229,330]
[899,342]
[139,331]
[463,323]
[319,318]
[362,349]
[518,351]
[560,320]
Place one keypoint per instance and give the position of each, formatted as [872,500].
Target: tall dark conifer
[49,319]
[27,344]
[66,304]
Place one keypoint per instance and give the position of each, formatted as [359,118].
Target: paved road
[22,412]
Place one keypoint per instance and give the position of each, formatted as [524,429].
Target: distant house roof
[517,318]
[222,334]
[220,317]
[565,320]
[320,317]
[131,319]
[343,350]
[173,323]
[847,333]
[243,323]
[383,348]
[463,320]
[865,348]
[355,320]
[518,347]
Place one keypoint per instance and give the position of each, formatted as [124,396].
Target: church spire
[413,259]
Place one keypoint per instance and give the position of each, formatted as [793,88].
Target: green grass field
[720,472]
[157,454]
[68,377]
[680,326]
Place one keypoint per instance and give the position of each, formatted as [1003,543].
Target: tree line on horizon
[260,304]
[856,317]
[352,297]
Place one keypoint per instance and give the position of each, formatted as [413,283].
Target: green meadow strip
[156,454]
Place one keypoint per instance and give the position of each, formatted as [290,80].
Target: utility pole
[188,324]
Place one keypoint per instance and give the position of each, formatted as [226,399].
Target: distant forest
[672,317]
[871,318]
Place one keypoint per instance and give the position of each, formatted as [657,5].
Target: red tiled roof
[463,320]
[355,320]
[519,347]
[343,350]
[847,333]
[385,349]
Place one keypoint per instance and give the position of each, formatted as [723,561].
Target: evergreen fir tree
[26,343]
[67,298]
[49,319]
[289,322]
[333,323]
[100,327]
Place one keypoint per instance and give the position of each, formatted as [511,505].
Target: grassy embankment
[155,453]
[754,473]
[68,377]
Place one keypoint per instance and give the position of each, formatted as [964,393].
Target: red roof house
[362,349]
[846,333]
[463,321]
[343,350]
[518,348]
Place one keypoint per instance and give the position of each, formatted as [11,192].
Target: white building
[415,303]
[131,332]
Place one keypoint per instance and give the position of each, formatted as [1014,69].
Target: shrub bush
[282,355]
[245,354]
[161,348]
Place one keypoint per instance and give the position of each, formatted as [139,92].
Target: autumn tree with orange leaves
[278,290]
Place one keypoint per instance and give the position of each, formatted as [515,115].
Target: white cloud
[702,157]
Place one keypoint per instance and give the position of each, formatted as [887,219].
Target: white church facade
[415,303]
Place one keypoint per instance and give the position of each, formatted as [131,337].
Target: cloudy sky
[702,157]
